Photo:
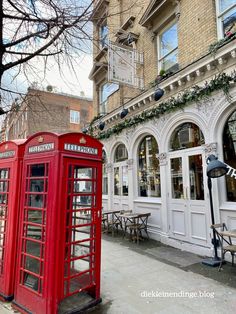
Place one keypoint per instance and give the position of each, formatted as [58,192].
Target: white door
[120,186]
[188,208]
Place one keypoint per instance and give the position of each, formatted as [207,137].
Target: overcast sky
[67,81]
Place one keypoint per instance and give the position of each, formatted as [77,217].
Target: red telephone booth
[11,154]
[59,252]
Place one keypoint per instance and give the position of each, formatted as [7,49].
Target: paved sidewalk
[153,278]
[5,308]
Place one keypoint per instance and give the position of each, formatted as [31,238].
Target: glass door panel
[34,227]
[125,180]
[116,181]
[80,229]
[177,178]
[196,177]
[4,190]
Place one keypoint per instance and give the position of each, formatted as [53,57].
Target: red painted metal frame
[59,152]
[11,154]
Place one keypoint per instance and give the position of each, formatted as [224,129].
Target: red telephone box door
[4,193]
[82,231]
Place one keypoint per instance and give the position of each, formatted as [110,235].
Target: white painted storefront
[182,221]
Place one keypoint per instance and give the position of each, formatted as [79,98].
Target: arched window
[121,171]
[104,174]
[121,153]
[148,168]
[229,149]
[186,135]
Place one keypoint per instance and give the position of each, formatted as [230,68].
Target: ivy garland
[215,46]
[196,93]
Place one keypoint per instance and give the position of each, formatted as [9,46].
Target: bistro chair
[139,225]
[115,223]
[225,242]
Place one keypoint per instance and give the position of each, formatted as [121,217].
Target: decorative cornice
[196,93]
[205,66]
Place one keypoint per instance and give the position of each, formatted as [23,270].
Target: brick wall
[196,31]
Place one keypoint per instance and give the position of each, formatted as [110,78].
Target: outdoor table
[131,218]
[228,233]
[115,217]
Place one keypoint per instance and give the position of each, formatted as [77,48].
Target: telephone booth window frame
[4,195]
[80,228]
[33,244]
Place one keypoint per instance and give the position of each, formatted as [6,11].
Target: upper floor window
[105,91]
[226,11]
[168,48]
[74,116]
[103,35]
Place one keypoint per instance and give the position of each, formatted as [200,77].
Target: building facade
[155,152]
[46,111]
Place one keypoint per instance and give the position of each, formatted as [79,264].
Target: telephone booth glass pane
[4,190]
[34,224]
[80,229]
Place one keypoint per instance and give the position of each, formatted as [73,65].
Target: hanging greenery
[196,93]
[215,46]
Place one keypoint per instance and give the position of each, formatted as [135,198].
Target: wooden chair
[225,242]
[139,225]
[115,223]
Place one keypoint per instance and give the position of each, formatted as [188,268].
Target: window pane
[37,170]
[177,178]
[116,181]
[125,180]
[121,153]
[186,135]
[229,22]
[149,171]
[103,35]
[108,89]
[169,62]
[104,175]
[196,178]
[82,173]
[169,40]
[225,4]
[229,147]
[74,116]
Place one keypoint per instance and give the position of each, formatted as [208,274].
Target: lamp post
[215,169]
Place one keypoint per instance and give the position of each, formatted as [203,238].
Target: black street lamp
[215,169]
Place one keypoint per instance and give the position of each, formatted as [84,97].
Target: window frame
[159,35]
[103,100]
[72,117]
[103,37]
[145,146]
[219,17]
